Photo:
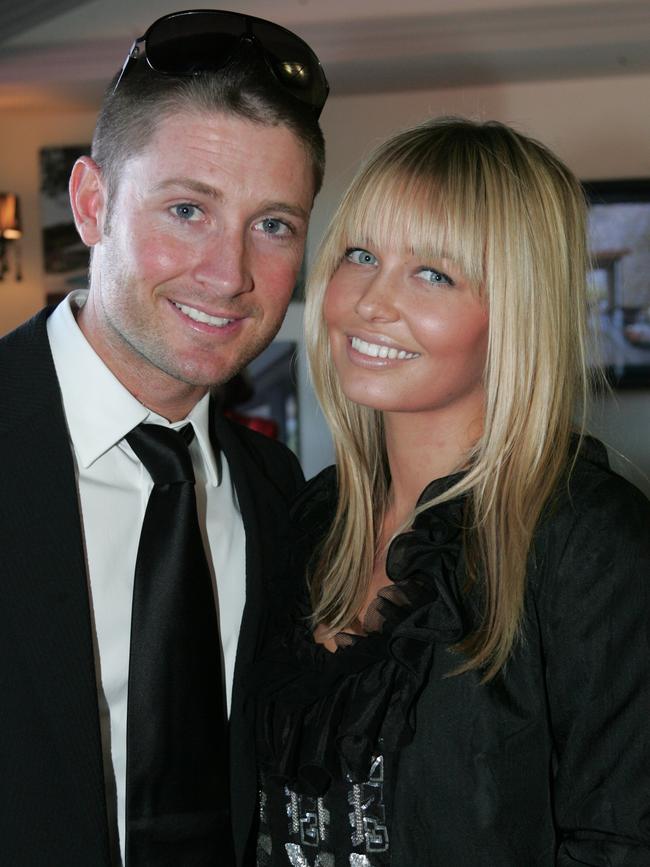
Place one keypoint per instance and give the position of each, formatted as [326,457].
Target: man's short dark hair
[245,88]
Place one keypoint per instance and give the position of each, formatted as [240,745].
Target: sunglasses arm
[131,57]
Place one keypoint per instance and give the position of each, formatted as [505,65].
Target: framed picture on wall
[65,257]
[619,281]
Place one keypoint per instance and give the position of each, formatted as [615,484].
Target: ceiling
[66,50]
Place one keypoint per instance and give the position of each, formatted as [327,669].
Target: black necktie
[177,764]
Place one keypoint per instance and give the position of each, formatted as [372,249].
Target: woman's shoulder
[591,487]
[314,507]
[596,517]
[310,516]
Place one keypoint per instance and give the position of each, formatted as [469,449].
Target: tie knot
[164,452]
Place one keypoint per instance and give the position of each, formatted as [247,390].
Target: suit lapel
[249,486]
[44,574]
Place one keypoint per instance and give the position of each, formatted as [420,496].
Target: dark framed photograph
[619,281]
[65,256]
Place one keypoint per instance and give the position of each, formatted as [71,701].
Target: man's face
[206,237]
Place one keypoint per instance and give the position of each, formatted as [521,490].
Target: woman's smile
[380,350]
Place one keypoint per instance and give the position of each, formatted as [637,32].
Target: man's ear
[88,200]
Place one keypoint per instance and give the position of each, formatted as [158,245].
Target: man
[206,158]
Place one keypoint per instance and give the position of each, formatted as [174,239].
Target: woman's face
[407,335]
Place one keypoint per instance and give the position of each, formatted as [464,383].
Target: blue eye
[273,226]
[187,212]
[435,277]
[360,257]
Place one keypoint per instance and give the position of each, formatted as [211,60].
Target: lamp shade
[10,227]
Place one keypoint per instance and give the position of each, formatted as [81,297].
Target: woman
[467,681]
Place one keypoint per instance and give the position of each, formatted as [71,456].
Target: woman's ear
[88,200]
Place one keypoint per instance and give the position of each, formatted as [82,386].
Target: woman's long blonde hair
[512,217]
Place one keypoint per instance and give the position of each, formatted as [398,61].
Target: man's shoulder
[27,377]
[29,334]
[268,456]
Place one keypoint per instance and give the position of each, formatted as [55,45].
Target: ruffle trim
[326,715]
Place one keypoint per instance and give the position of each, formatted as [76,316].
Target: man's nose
[222,265]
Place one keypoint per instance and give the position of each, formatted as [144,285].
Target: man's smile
[200,316]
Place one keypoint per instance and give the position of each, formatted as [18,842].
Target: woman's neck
[422,447]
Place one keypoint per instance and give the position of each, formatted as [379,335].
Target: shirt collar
[199,416]
[99,410]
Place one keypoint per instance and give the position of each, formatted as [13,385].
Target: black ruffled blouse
[375,755]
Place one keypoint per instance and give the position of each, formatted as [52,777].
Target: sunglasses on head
[195,41]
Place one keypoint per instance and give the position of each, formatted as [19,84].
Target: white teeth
[375,350]
[200,316]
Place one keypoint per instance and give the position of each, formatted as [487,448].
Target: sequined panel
[298,858]
[311,831]
[264,847]
[264,851]
[368,815]
[309,819]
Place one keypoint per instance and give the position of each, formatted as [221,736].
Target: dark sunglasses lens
[188,42]
[294,63]
[193,42]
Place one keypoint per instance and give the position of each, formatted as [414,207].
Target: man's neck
[157,390]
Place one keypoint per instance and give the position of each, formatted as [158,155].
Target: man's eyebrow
[189,184]
[286,208]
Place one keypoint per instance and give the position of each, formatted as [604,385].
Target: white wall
[600,127]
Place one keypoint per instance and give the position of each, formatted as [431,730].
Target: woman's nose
[377,301]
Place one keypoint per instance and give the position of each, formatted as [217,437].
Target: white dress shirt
[114,488]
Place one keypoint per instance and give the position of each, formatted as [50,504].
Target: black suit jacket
[52,801]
